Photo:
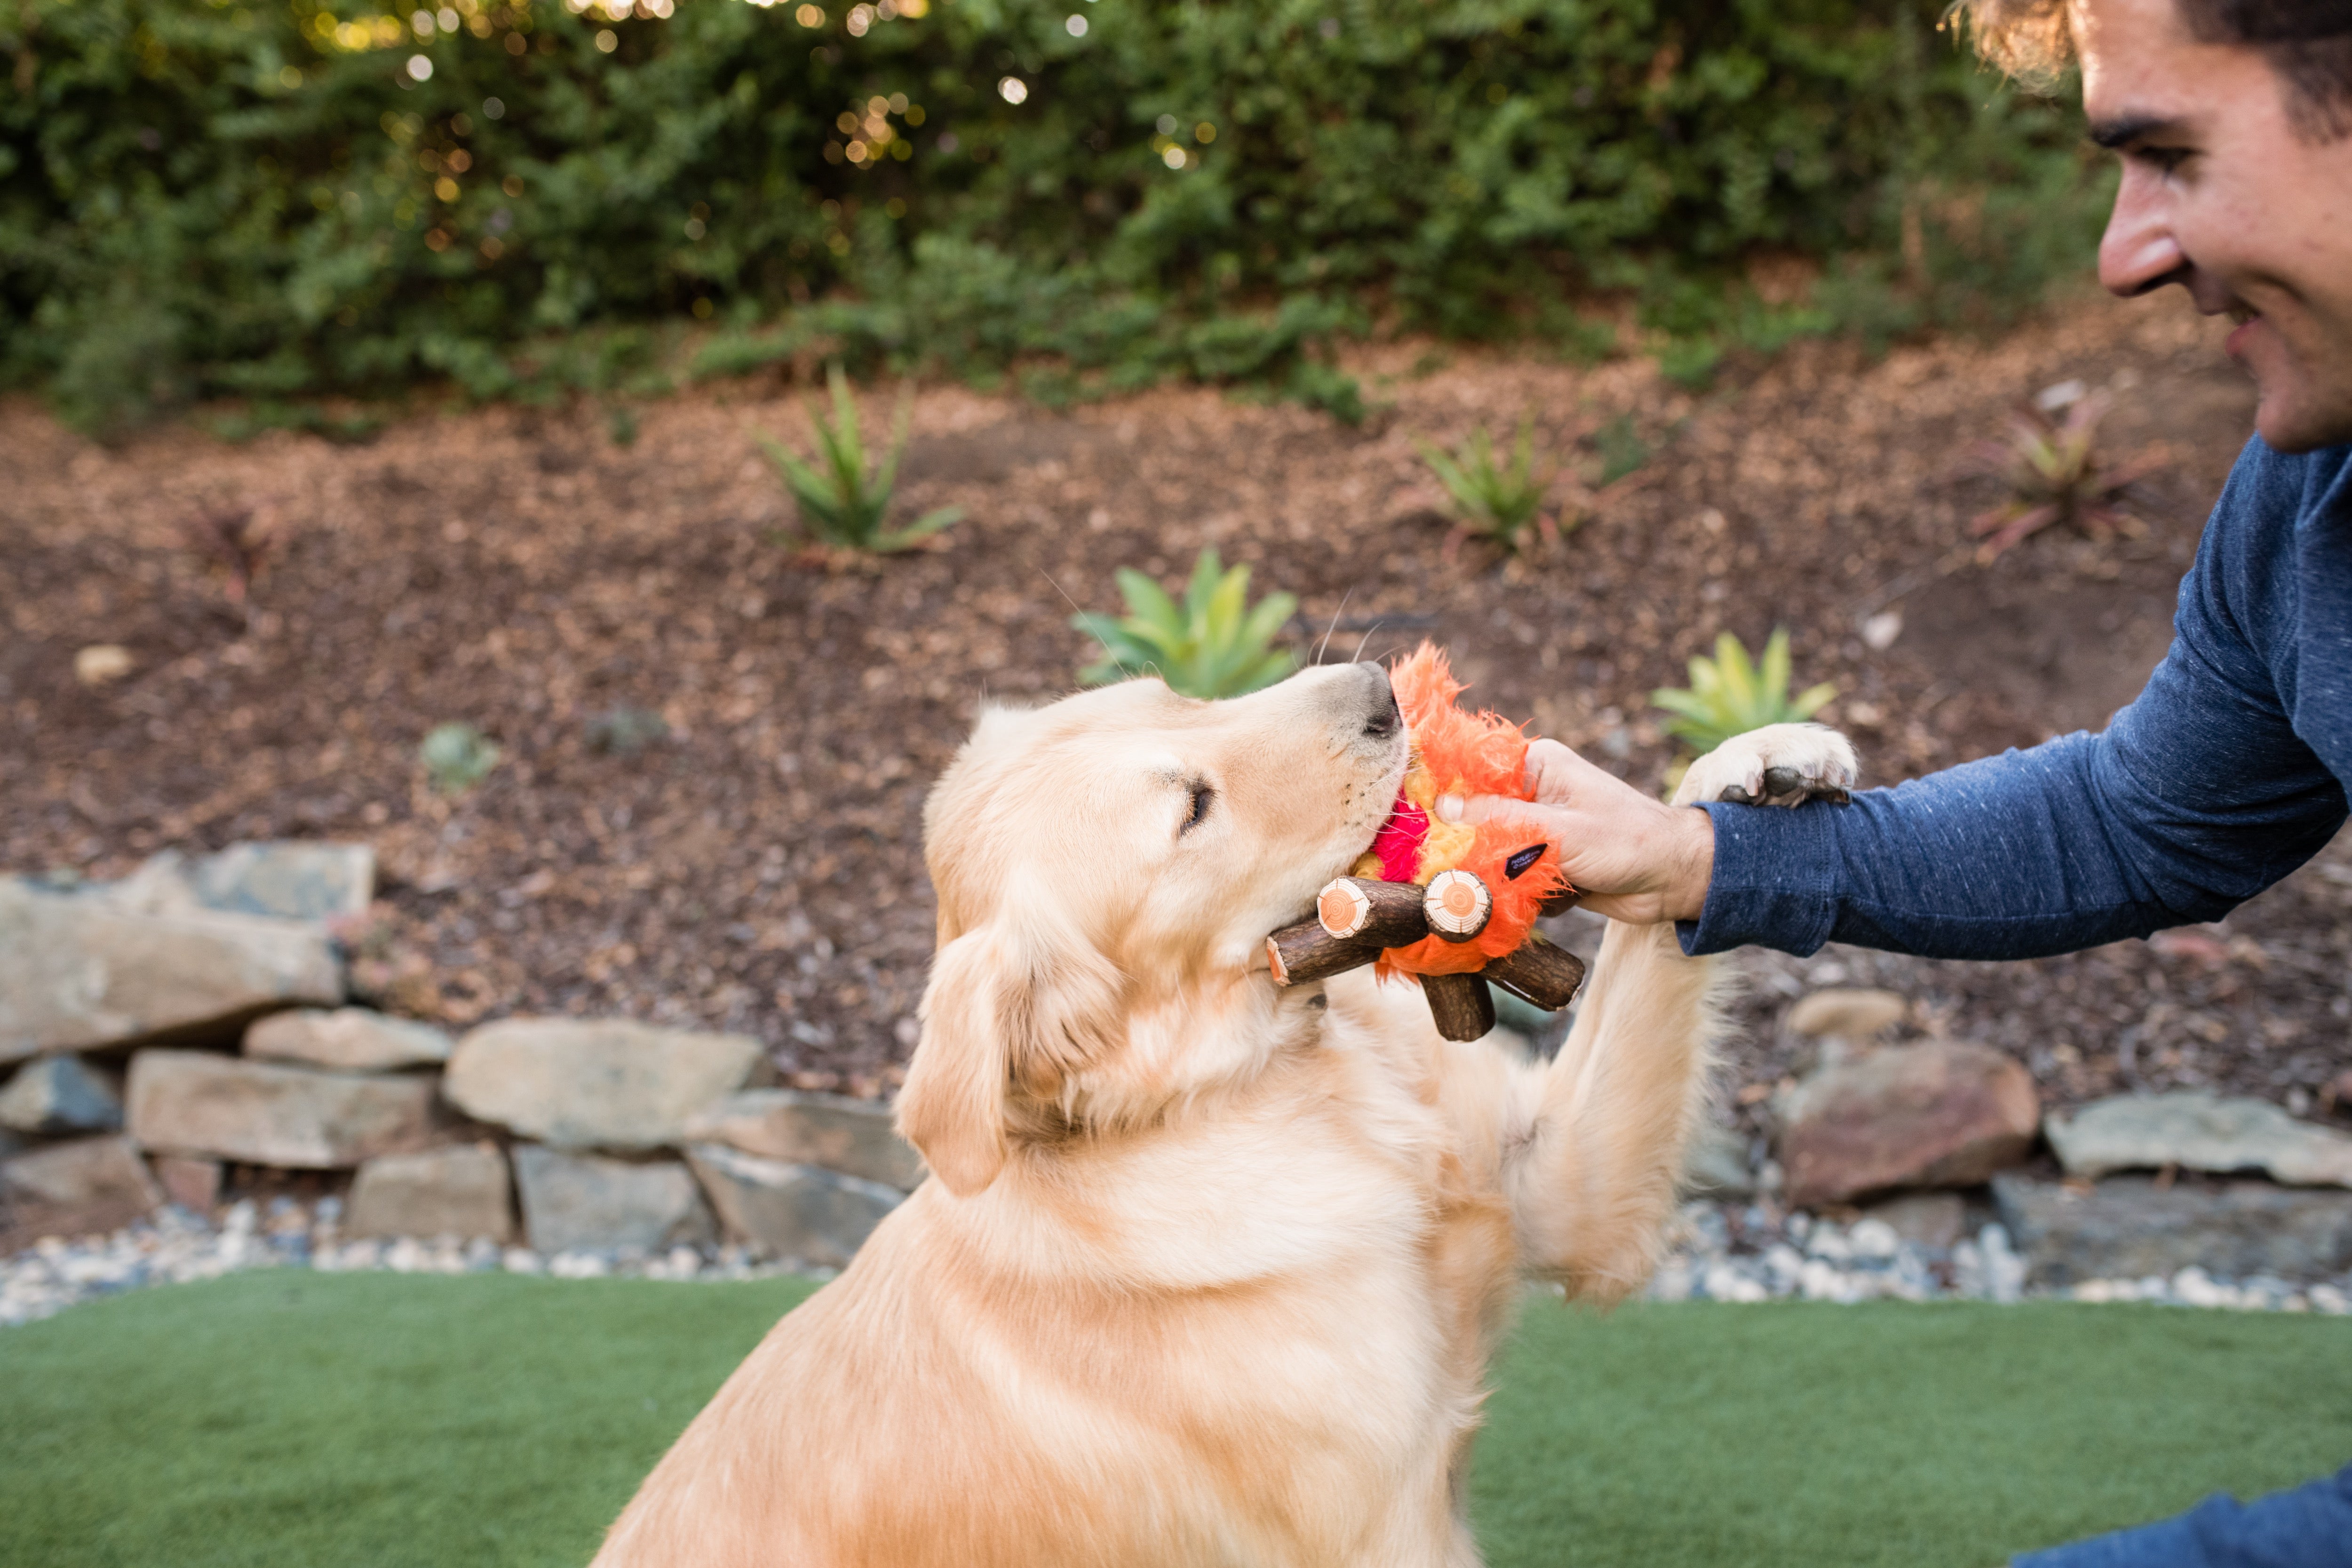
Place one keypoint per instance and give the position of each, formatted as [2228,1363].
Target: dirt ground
[758,867]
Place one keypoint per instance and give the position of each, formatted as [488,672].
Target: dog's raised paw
[1781,765]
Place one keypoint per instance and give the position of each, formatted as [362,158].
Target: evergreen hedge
[280,197]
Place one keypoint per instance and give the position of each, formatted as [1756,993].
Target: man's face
[2221,195]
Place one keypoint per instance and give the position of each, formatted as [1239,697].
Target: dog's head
[1107,868]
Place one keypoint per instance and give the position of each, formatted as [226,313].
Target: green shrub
[1729,695]
[277,198]
[845,498]
[1214,645]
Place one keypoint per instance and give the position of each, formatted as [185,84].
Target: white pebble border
[175,1248]
[1797,1257]
[1804,1258]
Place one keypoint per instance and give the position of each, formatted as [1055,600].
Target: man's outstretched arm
[2199,795]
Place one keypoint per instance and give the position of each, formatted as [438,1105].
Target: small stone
[194,1102]
[460,1191]
[61,1094]
[2128,1227]
[610,1084]
[102,664]
[854,1137]
[578,1203]
[1942,1113]
[77,972]
[2198,1131]
[1932,1220]
[1716,1164]
[193,1185]
[353,1039]
[1873,1238]
[789,1210]
[1847,1014]
[102,1182]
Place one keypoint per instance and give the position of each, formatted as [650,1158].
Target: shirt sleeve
[2310,1527]
[2197,797]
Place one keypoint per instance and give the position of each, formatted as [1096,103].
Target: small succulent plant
[1731,694]
[1212,645]
[2050,464]
[1500,503]
[456,757]
[844,498]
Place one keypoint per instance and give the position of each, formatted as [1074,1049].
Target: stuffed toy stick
[1450,905]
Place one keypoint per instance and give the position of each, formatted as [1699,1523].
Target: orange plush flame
[1462,753]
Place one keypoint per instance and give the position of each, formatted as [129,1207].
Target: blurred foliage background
[283,198]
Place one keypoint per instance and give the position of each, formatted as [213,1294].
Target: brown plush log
[1539,972]
[1457,904]
[1461,1003]
[1387,914]
[1306,953]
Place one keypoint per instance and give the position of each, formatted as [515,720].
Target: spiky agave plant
[1499,502]
[1730,694]
[2054,473]
[1211,644]
[844,498]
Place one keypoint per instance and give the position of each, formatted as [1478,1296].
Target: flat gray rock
[852,1136]
[225,1108]
[60,1094]
[1944,1113]
[461,1192]
[86,1177]
[78,973]
[286,880]
[791,1210]
[2128,1228]
[2198,1131]
[351,1040]
[602,1084]
[586,1202]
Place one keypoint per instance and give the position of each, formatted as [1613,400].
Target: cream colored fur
[1206,1272]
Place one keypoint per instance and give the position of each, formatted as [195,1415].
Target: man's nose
[2138,252]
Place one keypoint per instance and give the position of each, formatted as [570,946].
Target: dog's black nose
[1385,719]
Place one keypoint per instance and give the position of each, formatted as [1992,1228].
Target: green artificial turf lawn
[301,1420]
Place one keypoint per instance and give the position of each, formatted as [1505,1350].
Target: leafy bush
[1502,505]
[2054,473]
[1214,645]
[456,757]
[275,198]
[845,500]
[1729,695]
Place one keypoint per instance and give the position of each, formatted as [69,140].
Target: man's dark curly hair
[2308,42]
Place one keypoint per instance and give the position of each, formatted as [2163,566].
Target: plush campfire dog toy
[1452,904]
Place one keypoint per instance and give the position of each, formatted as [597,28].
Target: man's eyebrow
[2127,129]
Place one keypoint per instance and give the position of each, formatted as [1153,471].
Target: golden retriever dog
[1205,1271]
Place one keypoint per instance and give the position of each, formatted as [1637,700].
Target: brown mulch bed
[759,867]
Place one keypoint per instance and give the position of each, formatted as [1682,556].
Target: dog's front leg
[1593,1182]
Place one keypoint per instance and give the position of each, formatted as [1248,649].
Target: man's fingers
[1480,808]
[1549,768]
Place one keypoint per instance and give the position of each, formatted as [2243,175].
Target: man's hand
[1627,855]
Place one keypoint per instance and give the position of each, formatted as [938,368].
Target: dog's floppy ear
[1013,1008]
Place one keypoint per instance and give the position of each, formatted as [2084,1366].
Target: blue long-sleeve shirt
[2228,773]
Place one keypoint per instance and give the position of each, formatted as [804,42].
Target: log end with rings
[1457,904]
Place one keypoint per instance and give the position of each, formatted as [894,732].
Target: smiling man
[2233,122]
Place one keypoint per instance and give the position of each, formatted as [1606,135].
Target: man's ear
[1011,1010]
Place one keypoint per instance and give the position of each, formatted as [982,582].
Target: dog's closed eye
[1203,797]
